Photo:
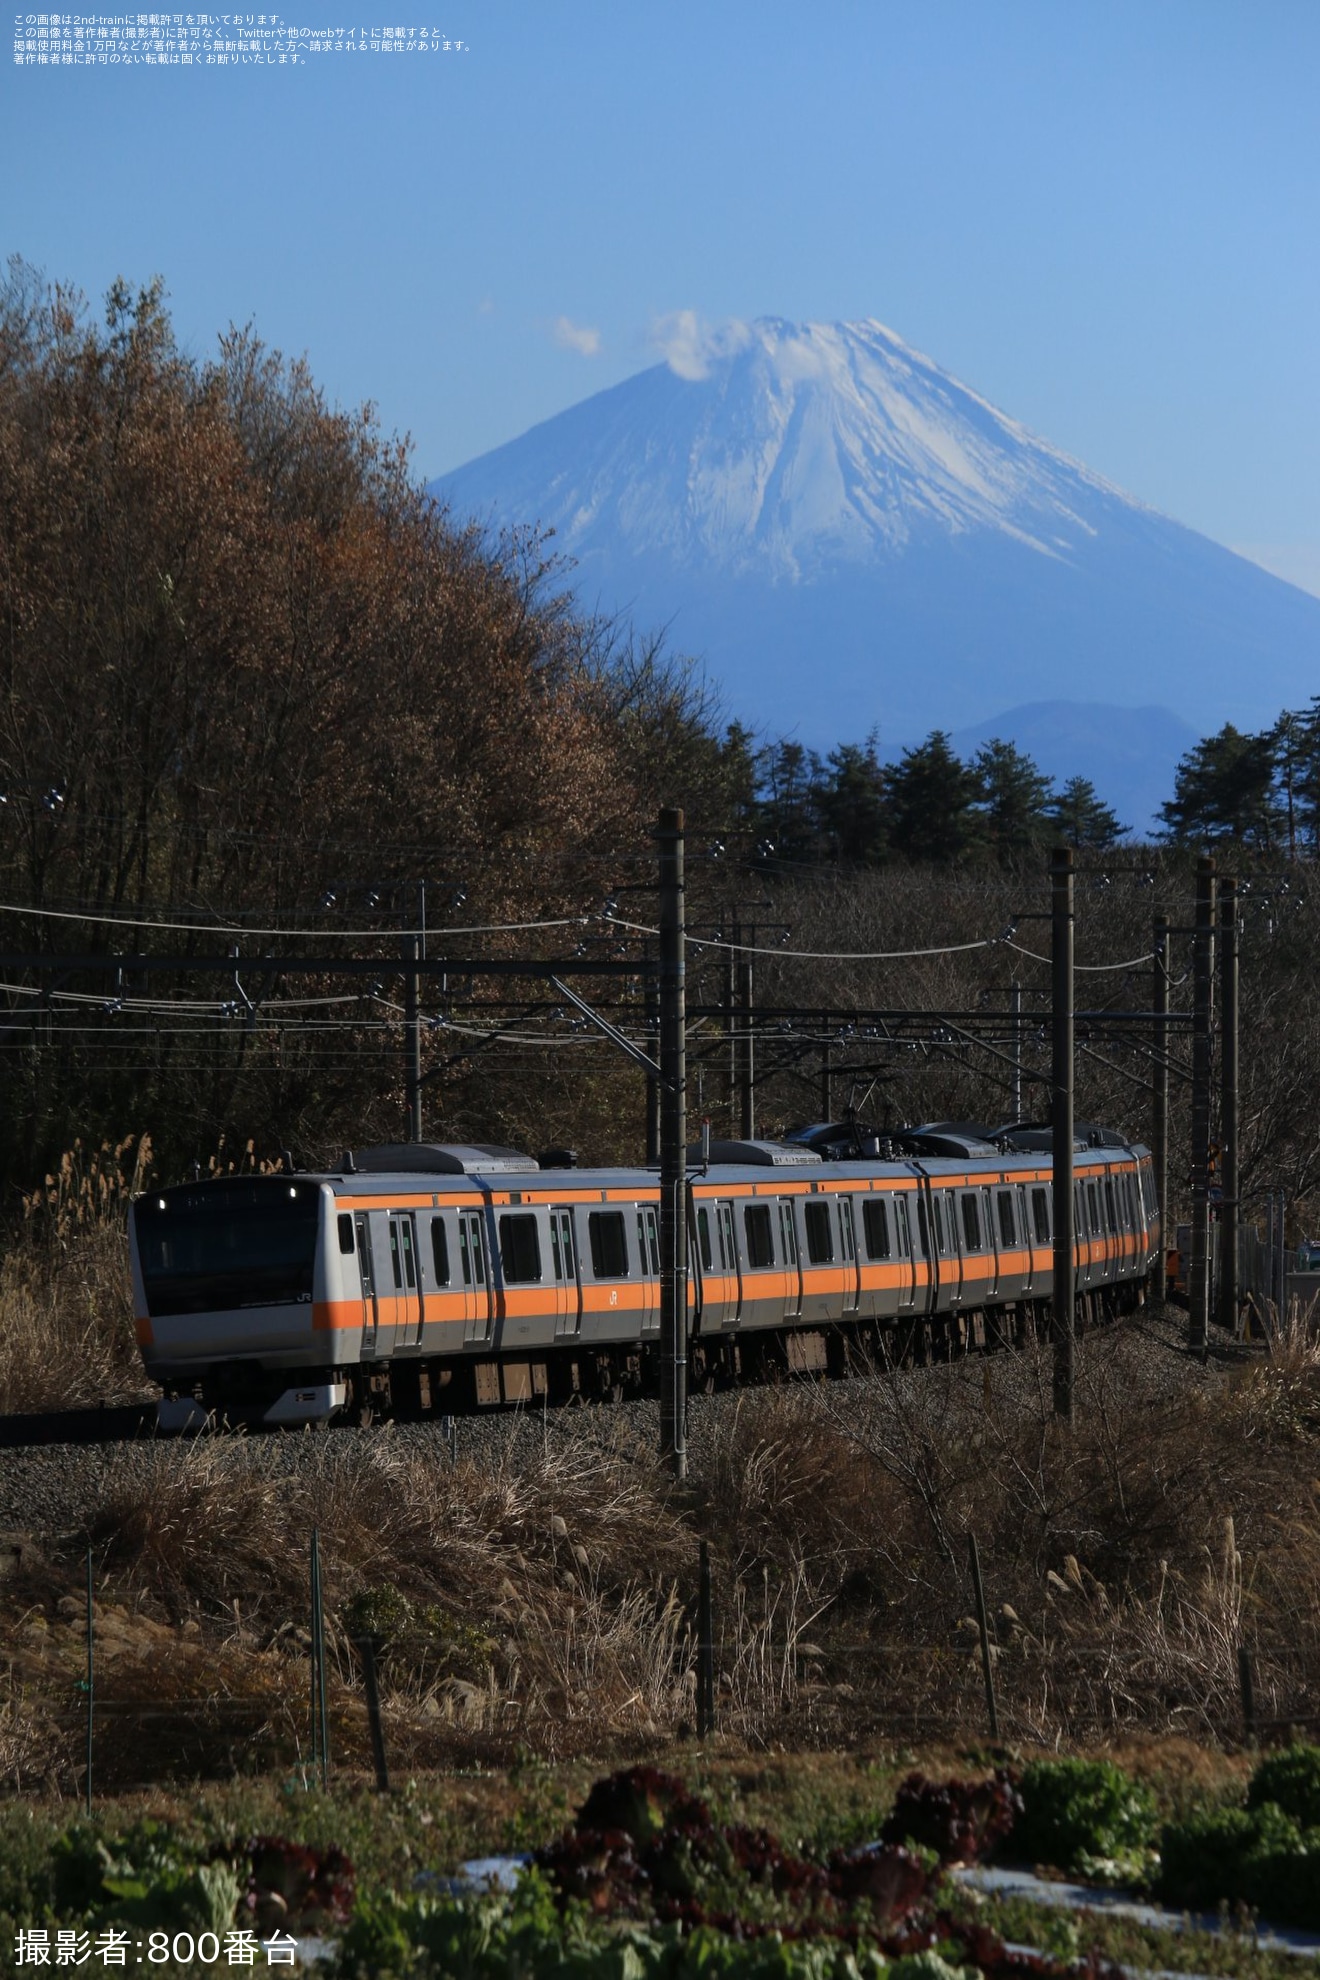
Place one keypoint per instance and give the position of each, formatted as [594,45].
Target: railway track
[120,1423]
[102,1423]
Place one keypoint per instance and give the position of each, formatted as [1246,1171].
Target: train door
[648,1264]
[476,1276]
[924,1251]
[1022,1209]
[568,1286]
[403,1271]
[907,1270]
[386,1264]
[721,1284]
[992,1240]
[788,1249]
[949,1266]
[362,1227]
[1115,1224]
[1082,1214]
[852,1282]
[729,1264]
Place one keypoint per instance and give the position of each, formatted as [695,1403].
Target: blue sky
[1105,217]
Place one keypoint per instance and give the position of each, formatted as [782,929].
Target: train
[425,1278]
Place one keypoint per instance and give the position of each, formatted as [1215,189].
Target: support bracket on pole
[611,1031]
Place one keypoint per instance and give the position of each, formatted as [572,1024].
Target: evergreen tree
[852,804]
[788,822]
[737,760]
[1014,799]
[1224,790]
[1081,818]
[1297,759]
[932,799]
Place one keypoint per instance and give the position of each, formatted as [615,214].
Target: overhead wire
[301,934]
[808,955]
[1089,969]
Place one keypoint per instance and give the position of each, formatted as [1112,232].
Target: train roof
[939,1151]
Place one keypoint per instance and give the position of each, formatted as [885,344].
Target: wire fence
[342,1695]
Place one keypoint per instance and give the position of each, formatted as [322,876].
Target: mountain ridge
[853,539]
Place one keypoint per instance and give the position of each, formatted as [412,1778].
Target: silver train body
[433,1278]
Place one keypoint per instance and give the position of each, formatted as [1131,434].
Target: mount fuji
[850,539]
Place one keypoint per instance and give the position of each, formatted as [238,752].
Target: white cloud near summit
[689,347]
[579,337]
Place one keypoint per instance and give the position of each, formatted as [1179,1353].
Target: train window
[941,1232]
[1007,1221]
[646,1229]
[971,1218]
[760,1237]
[875,1225]
[520,1249]
[364,1254]
[395,1260]
[1111,1211]
[440,1251]
[409,1259]
[728,1249]
[820,1233]
[561,1244]
[346,1233]
[1093,1199]
[472,1248]
[902,1233]
[609,1244]
[1040,1215]
[703,1237]
[847,1231]
[923,1227]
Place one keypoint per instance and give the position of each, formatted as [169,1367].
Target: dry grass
[543,1594]
[1127,1559]
[548,1585]
[66,1310]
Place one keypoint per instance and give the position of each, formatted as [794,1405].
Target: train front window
[228,1244]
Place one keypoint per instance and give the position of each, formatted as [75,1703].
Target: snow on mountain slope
[849,537]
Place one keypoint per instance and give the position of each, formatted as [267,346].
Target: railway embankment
[533,1588]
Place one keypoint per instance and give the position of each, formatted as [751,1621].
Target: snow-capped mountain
[851,539]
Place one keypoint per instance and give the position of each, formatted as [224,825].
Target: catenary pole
[1203,971]
[1061,1125]
[731,1006]
[673,1147]
[1160,1043]
[1228,1105]
[412,1032]
[652,1083]
[745,1006]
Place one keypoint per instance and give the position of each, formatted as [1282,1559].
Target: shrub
[1257,1856]
[1200,1857]
[1076,1809]
[1292,1780]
